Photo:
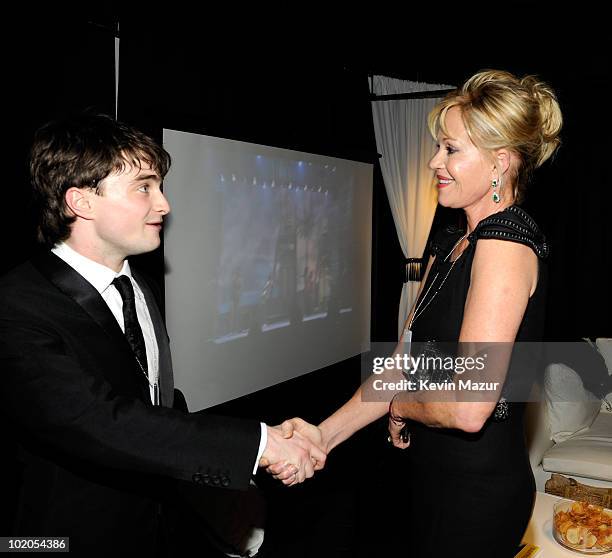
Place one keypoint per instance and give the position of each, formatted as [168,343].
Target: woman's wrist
[326,437]
[331,436]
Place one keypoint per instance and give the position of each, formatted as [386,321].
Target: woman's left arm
[504,276]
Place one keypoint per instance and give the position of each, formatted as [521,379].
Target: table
[539,530]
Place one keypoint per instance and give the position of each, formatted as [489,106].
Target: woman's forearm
[351,417]
[357,413]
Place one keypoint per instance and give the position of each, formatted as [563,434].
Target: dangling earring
[495,196]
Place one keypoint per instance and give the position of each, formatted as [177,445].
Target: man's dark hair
[82,151]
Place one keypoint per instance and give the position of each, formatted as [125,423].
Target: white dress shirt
[101,278]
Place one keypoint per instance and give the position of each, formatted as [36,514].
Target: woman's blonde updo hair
[500,110]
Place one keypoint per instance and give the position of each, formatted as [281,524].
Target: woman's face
[463,171]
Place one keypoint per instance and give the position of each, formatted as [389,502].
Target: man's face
[128,213]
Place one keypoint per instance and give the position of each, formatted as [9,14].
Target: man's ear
[78,201]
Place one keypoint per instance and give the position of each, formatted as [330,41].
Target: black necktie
[130,320]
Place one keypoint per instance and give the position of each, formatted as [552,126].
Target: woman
[473,489]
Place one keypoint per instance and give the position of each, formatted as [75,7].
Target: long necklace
[417,313]
[154,385]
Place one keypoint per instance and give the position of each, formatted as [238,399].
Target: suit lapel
[72,284]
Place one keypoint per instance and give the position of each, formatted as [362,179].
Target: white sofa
[572,437]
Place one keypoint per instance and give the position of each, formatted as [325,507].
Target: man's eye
[144,188]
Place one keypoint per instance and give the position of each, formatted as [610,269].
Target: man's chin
[145,249]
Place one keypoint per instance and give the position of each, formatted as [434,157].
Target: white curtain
[403,140]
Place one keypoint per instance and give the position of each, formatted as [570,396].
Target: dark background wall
[317,100]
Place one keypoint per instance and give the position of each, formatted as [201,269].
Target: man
[87,383]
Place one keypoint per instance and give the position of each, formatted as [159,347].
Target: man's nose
[161,204]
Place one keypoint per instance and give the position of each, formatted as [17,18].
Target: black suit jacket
[97,458]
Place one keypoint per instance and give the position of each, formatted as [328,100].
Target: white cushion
[571,408]
[588,454]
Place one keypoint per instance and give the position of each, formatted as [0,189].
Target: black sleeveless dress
[471,494]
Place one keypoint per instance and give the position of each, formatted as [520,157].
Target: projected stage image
[268,264]
[285,250]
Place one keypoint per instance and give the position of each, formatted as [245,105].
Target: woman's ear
[503,159]
[78,201]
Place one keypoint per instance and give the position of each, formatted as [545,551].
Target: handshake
[294,451]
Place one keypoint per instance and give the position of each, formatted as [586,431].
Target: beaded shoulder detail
[515,225]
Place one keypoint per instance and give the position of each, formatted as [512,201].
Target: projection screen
[268,263]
